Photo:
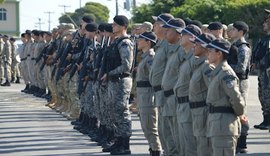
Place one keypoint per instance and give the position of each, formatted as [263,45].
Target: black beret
[121,20]
[196,22]
[101,27]
[48,33]
[6,36]
[220,45]
[23,35]
[164,17]
[91,27]
[108,28]
[87,19]
[176,23]
[191,30]
[35,32]
[28,32]
[240,25]
[12,39]
[187,21]
[215,26]
[204,39]
[150,36]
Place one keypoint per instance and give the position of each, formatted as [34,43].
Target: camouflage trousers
[96,101]
[104,111]
[119,92]
[73,96]
[15,71]
[1,69]
[86,99]
[264,92]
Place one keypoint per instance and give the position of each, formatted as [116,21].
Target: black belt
[183,99]
[168,93]
[221,109]
[143,84]
[33,58]
[193,105]
[23,59]
[157,88]
[117,77]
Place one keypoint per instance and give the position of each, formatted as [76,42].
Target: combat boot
[26,88]
[7,83]
[12,79]
[123,147]
[18,80]
[109,138]
[156,153]
[78,121]
[242,144]
[265,124]
[117,143]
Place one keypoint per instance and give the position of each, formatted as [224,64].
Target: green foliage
[97,11]
[225,11]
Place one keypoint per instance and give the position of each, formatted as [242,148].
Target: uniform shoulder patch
[229,80]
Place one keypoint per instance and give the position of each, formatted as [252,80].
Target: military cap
[204,39]
[108,28]
[91,27]
[121,20]
[164,17]
[28,32]
[136,26]
[240,25]
[220,45]
[196,22]
[148,35]
[147,25]
[23,35]
[191,29]
[6,36]
[176,23]
[35,32]
[229,27]
[61,26]
[215,26]
[187,21]
[101,27]
[48,33]
[267,11]
[87,19]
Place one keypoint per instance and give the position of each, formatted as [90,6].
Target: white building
[10,18]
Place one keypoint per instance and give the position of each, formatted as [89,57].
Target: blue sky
[32,10]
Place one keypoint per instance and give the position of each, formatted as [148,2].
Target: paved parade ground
[27,128]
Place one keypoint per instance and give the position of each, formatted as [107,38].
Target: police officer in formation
[191,86]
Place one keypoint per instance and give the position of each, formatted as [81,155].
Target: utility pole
[80,3]
[116,7]
[39,23]
[134,4]
[49,21]
[64,6]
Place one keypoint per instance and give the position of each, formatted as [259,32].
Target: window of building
[3,14]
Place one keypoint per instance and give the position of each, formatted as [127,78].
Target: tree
[97,11]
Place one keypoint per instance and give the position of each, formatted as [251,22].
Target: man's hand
[243,119]
[104,78]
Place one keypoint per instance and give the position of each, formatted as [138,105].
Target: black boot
[12,79]
[26,89]
[261,124]
[78,121]
[18,80]
[123,147]
[242,144]
[109,138]
[265,124]
[117,143]
[7,83]
[156,153]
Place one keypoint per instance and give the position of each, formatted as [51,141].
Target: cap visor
[179,30]
[266,10]
[155,18]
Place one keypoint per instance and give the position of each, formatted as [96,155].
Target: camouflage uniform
[197,100]
[1,60]
[7,65]
[39,75]
[226,104]
[15,64]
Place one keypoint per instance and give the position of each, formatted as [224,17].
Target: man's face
[234,33]
[90,35]
[158,29]
[213,56]
[185,40]
[199,50]
[266,25]
[117,28]
[172,36]
[142,43]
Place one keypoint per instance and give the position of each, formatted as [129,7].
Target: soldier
[7,60]
[181,90]
[15,61]
[119,65]
[241,65]
[1,61]
[262,64]
[216,28]
[225,101]
[145,92]
[23,64]
[174,59]
[156,74]
[197,93]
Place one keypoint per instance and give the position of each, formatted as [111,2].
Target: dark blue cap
[215,26]
[108,28]
[121,20]
[164,17]
[101,27]
[87,19]
[191,30]
[91,27]
[176,23]
[240,25]
[220,45]
[204,39]
[150,36]
[35,32]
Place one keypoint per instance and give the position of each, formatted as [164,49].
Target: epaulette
[228,77]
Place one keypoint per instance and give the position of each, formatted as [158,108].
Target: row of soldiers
[191,85]
[9,61]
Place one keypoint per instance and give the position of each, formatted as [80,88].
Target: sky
[32,10]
